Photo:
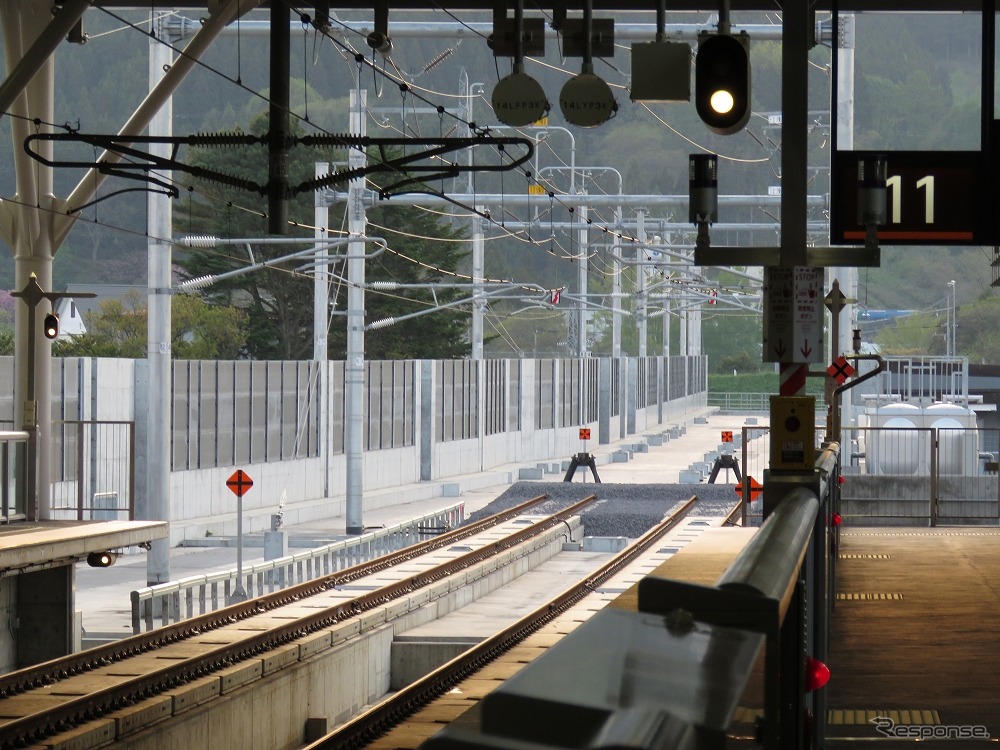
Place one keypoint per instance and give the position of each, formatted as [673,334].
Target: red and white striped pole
[792,379]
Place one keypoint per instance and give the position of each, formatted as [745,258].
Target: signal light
[722,82]
[817,674]
[101,559]
[50,326]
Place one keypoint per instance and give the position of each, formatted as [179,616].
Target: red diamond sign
[240,483]
[840,370]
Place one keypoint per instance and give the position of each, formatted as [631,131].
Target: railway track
[49,699]
[367,728]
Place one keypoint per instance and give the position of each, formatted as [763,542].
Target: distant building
[72,311]
[70,320]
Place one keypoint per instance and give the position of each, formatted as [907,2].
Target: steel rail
[48,672]
[394,710]
[27,729]
[733,513]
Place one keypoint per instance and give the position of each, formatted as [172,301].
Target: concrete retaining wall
[321,676]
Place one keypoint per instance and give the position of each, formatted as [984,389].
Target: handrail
[770,562]
[279,572]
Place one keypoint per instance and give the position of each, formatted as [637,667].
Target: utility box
[661,72]
[793,433]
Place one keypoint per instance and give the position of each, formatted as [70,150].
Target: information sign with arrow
[793,315]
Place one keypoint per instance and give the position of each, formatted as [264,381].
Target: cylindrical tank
[957,444]
[895,447]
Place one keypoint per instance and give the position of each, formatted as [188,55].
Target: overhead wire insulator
[233,138]
[438,60]
[199,240]
[384,285]
[384,323]
[199,282]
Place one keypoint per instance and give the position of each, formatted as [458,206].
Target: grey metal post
[321,322]
[159,223]
[845,141]
[583,248]
[604,401]
[631,392]
[321,283]
[355,365]
[478,305]
[682,345]
[640,284]
[239,593]
[617,301]
[426,420]
[666,312]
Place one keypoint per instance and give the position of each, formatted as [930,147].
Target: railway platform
[914,641]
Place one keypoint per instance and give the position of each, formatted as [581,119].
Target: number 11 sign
[932,198]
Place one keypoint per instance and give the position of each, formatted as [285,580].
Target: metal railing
[93,469]
[739,403]
[920,475]
[177,600]
[900,476]
[13,475]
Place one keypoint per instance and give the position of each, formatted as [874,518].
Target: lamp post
[952,323]
[32,294]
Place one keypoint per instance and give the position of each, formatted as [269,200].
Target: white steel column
[845,141]
[478,264]
[583,250]
[321,280]
[321,322]
[355,365]
[617,302]
[21,226]
[640,282]
[159,252]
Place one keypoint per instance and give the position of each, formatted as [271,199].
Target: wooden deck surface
[915,636]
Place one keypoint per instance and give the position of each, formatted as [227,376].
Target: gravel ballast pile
[627,510]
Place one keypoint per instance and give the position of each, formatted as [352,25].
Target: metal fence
[929,476]
[741,403]
[164,603]
[13,475]
[900,476]
[93,470]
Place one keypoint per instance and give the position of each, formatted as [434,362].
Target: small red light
[837,519]
[817,674]
[840,479]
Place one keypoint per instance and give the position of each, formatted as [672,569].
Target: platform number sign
[584,433]
[932,198]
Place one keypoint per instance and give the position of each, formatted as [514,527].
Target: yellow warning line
[854,717]
[879,596]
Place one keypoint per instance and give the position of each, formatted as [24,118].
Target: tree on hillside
[911,335]
[118,329]
[278,300]
[425,250]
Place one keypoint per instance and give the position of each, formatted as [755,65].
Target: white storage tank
[895,448]
[958,451]
[900,444]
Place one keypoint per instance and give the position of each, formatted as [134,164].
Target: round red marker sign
[240,483]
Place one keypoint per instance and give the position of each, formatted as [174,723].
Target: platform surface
[39,543]
[915,638]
